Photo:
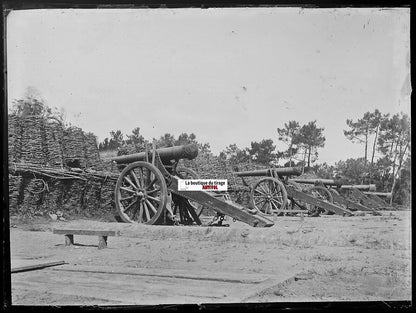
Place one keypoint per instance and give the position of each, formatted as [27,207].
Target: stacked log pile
[33,140]
[14,192]
[73,144]
[47,142]
[54,142]
[91,154]
[15,138]
[38,190]
[42,152]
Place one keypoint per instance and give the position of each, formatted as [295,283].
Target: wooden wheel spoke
[273,204]
[262,207]
[271,207]
[260,192]
[271,186]
[123,199]
[130,182]
[151,206]
[265,191]
[153,191]
[146,211]
[278,200]
[129,206]
[133,174]
[141,212]
[141,177]
[127,189]
[153,198]
[277,188]
[260,202]
[266,210]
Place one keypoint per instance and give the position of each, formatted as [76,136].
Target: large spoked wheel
[321,193]
[187,173]
[268,195]
[141,193]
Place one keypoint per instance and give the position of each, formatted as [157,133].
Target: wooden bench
[69,235]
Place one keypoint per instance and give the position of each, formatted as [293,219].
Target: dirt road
[299,259]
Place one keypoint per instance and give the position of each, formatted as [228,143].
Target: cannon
[276,193]
[280,172]
[351,197]
[147,191]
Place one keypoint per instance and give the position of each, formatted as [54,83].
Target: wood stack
[33,195]
[92,155]
[33,141]
[108,186]
[73,147]
[54,138]
[72,196]
[54,196]
[91,197]
[14,191]
[15,138]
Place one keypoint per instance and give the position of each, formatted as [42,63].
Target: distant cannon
[276,193]
[282,171]
[352,197]
[334,183]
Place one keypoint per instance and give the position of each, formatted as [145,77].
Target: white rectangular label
[202,184]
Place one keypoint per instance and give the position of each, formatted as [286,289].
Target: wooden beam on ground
[259,289]
[32,267]
[240,278]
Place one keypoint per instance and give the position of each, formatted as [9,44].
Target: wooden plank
[299,195]
[84,232]
[242,278]
[17,266]
[258,289]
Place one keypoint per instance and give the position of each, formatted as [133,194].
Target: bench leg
[102,242]
[69,240]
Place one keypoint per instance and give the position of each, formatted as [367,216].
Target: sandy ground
[329,258]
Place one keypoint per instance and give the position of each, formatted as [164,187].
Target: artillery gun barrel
[380,194]
[333,182]
[371,187]
[312,181]
[283,171]
[166,154]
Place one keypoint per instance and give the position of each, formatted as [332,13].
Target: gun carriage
[351,197]
[276,193]
[147,191]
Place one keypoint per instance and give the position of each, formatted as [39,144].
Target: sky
[230,75]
